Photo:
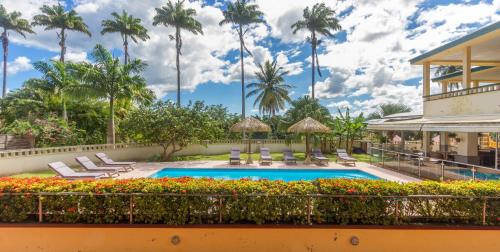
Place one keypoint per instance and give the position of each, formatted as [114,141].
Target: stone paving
[142,170]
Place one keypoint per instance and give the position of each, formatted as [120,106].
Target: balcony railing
[463,92]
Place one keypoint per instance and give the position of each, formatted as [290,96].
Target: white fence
[29,160]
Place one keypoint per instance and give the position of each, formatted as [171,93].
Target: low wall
[90,238]
[29,160]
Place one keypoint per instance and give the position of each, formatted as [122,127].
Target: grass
[223,157]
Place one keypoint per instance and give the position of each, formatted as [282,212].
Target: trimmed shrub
[185,201]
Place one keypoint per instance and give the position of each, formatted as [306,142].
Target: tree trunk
[125,47]
[62,44]
[5,45]
[64,112]
[178,49]
[111,121]
[242,74]
[313,56]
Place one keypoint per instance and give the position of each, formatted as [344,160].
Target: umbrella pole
[308,155]
[249,159]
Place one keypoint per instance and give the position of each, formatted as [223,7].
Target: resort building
[461,122]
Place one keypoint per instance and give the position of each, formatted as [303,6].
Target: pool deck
[142,170]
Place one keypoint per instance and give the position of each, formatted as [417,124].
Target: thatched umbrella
[308,126]
[250,125]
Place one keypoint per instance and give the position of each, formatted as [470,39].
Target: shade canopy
[308,125]
[250,124]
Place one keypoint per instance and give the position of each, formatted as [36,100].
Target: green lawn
[255,156]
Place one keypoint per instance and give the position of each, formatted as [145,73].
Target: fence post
[220,210]
[382,156]
[473,173]
[397,211]
[399,162]
[484,210]
[419,167]
[309,208]
[40,209]
[442,170]
[131,209]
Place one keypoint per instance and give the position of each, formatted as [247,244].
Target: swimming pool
[256,174]
[478,175]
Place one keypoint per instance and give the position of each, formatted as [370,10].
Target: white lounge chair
[109,162]
[65,172]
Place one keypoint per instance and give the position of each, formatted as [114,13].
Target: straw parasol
[250,125]
[308,126]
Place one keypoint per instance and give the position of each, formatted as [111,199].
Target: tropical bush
[206,201]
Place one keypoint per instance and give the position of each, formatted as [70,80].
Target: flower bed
[206,201]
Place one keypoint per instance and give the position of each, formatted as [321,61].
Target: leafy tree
[348,128]
[320,20]
[177,16]
[11,22]
[271,91]
[171,126]
[304,107]
[128,26]
[58,80]
[55,17]
[24,103]
[241,14]
[389,109]
[108,78]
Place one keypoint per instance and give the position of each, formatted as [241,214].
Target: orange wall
[87,239]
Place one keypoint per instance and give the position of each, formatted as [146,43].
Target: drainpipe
[496,152]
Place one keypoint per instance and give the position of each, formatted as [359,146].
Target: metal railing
[307,209]
[462,92]
[429,168]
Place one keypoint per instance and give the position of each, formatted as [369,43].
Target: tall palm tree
[55,17]
[58,80]
[444,70]
[11,21]
[241,14]
[320,20]
[128,26]
[175,15]
[109,79]
[272,93]
[389,109]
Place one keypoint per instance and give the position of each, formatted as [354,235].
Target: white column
[443,141]
[466,67]
[402,144]
[426,138]
[427,78]
[444,87]
[496,151]
[475,83]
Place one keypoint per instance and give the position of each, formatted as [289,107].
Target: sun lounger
[234,156]
[86,163]
[265,156]
[343,157]
[288,156]
[319,157]
[109,162]
[65,172]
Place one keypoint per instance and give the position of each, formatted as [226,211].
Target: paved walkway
[147,169]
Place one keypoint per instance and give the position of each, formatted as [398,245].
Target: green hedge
[206,201]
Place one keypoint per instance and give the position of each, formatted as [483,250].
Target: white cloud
[20,64]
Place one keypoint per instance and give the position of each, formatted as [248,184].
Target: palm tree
[55,17]
[175,15]
[128,26]
[58,80]
[318,21]
[271,92]
[11,21]
[241,14]
[444,70]
[389,109]
[107,78]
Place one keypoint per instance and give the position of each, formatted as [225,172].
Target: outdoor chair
[88,165]
[65,172]
[319,157]
[288,156]
[109,162]
[343,157]
[235,156]
[265,156]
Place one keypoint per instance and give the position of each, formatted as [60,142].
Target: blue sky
[363,66]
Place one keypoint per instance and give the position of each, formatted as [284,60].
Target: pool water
[256,174]
[478,175]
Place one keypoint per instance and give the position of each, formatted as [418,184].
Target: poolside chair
[86,163]
[65,172]
[319,157]
[344,157]
[265,156]
[288,156]
[109,162]
[234,157]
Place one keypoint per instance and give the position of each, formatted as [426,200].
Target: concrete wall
[472,104]
[20,161]
[242,239]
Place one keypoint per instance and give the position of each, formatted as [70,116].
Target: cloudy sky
[364,65]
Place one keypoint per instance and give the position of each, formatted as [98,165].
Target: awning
[480,123]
